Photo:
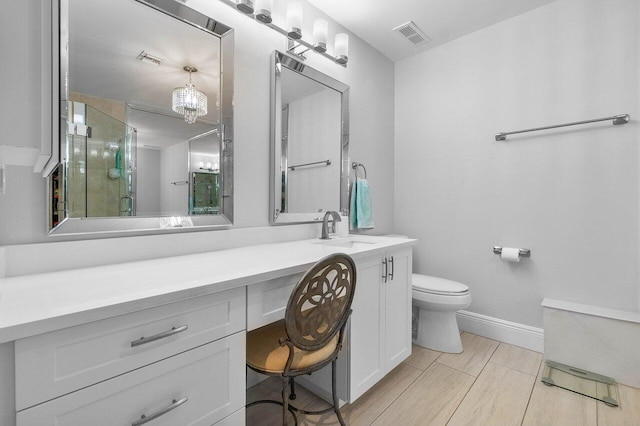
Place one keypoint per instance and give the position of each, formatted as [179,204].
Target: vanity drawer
[267,301]
[236,419]
[211,378]
[56,363]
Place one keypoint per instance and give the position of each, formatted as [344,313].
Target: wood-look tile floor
[490,383]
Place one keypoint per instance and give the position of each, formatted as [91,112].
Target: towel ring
[355,166]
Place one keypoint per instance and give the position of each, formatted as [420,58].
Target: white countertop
[35,304]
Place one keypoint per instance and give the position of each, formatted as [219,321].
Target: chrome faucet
[335,217]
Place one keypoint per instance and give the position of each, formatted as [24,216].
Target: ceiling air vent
[148,58]
[410,32]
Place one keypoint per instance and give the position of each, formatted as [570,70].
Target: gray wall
[148,182]
[370,76]
[569,195]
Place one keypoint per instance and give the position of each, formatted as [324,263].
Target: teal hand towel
[361,209]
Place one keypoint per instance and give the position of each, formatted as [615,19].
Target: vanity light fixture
[245,6]
[320,34]
[262,10]
[342,48]
[294,20]
[188,101]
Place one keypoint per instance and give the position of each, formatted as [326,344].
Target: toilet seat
[436,285]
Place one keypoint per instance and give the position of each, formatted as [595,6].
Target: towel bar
[325,162]
[617,120]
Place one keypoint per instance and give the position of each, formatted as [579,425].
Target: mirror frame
[281,60]
[147,224]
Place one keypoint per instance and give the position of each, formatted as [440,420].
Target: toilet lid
[435,285]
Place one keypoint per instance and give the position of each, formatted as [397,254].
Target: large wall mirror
[309,142]
[146,129]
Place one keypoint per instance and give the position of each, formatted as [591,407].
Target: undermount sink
[345,243]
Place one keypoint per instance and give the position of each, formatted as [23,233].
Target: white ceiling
[441,20]
[105,38]
[156,130]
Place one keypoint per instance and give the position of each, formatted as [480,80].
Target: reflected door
[98,166]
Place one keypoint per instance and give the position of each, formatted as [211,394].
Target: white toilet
[438,300]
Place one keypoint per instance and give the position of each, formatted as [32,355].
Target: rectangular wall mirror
[309,142]
[146,128]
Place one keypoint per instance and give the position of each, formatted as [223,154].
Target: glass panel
[205,197]
[98,164]
[204,163]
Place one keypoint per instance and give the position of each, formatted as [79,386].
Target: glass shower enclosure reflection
[205,178]
[96,177]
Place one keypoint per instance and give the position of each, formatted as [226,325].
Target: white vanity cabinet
[166,340]
[380,330]
[182,363]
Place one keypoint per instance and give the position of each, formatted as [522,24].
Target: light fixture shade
[294,20]
[263,10]
[342,48]
[189,102]
[320,34]
[245,6]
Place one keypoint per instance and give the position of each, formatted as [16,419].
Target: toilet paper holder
[523,251]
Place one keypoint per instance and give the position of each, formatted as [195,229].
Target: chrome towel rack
[617,120]
[325,162]
[355,166]
[523,251]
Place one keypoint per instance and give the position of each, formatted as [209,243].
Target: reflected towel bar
[617,119]
[523,252]
[325,162]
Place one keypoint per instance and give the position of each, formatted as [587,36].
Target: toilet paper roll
[510,254]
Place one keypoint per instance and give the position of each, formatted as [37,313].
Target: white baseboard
[504,331]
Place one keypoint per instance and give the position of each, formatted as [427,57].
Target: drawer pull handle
[386,270]
[393,268]
[144,340]
[144,419]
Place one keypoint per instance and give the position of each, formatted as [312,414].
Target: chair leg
[336,402]
[292,395]
[285,400]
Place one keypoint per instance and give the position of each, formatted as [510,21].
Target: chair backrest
[321,302]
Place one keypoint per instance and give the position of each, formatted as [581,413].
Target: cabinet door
[197,388]
[397,293]
[367,364]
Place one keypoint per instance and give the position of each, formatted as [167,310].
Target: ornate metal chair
[310,336]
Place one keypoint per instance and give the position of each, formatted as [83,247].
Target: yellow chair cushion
[264,352]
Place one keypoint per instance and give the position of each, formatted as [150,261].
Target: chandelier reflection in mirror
[188,101]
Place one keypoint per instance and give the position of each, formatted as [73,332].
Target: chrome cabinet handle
[393,268]
[174,404]
[386,269]
[144,340]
